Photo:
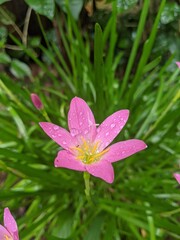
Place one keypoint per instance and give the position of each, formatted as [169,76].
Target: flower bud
[36,101]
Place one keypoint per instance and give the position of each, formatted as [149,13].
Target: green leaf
[75,6]
[43,7]
[98,66]
[3,1]
[4,58]
[19,69]
[94,230]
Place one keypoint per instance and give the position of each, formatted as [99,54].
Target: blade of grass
[140,30]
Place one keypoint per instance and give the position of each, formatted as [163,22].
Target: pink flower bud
[36,101]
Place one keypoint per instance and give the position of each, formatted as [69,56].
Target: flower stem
[44,113]
[87,186]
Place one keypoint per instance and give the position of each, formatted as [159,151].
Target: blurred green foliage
[125,60]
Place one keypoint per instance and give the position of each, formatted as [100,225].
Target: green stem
[45,115]
[87,186]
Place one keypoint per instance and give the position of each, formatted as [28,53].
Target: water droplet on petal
[80,123]
[113,125]
[86,131]
[59,135]
[53,136]
[80,113]
[98,129]
[64,142]
[123,152]
[74,132]
[55,127]
[107,133]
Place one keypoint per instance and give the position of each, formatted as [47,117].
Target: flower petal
[80,118]
[124,149]
[65,159]
[178,64]
[10,224]
[177,177]
[60,135]
[4,233]
[101,169]
[111,127]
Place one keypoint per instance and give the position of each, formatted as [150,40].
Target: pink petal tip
[177,177]
[178,64]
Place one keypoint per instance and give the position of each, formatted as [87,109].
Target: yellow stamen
[7,237]
[88,152]
[95,147]
[101,153]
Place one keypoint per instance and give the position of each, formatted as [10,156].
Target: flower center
[6,237]
[88,152]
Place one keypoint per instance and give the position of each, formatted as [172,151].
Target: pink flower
[36,101]
[177,177]
[9,231]
[86,146]
[178,64]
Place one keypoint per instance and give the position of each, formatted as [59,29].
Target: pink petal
[65,159]
[178,64]
[10,224]
[4,233]
[80,118]
[101,169]
[177,177]
[60,135]
[124,149]
[111,127]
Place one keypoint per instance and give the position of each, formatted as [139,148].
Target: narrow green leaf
[98,67]
[140,30]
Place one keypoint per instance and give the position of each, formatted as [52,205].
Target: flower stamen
[7,237]
[88,152]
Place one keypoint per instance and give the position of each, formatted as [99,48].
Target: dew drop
[53,136]
[80,123]
[86,131]
[64,142]
[55,127]
[123,152]
[107,133]
[59,135]
[80,113]
[98,129]
[113,125]
[74,132]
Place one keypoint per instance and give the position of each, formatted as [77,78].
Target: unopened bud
[36,101]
